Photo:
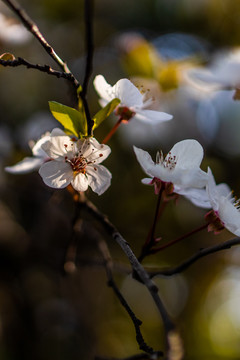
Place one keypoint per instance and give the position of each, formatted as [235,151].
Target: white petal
[93,151]
[56,174]
[59,146]
[189,154]
[194,177]
[147,181]
[212,191]
[145,161]
[25,166]
[229,215]
[151,117]
[103,89]
[128,93]
[99,178]
[37,148]
[198,197]
[80,182]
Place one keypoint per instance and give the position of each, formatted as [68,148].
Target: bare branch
[136,322]
[43,68]
[33,28]
[88,14]
[187,263]
[136,266]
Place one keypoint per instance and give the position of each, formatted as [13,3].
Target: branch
[88,14]
[43,68]
[33,28]
[203,252]
[136,322]
[136,266]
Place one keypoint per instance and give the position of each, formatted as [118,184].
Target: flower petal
[93,151]
[128,93]
[25,166]
[147,181]
[151,117]
[198,197]
[56,174]
[37,148]
[80,182]
[103,89]
[59,145]
[99,178]
[189,154]
[145,161]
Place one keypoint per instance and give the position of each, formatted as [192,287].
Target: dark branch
[136,266]
[203,252]
[33,28]
[136,322]
[89,43]
[88,14]
[43,68]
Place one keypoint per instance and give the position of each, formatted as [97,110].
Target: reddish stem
[150,238]
[162,247]
[112,131]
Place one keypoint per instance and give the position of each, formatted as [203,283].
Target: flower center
[214,222]
[78,164]
[168,162]
[124,112]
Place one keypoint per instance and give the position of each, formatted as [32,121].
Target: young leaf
[73,121]
[7,56]
[105,112]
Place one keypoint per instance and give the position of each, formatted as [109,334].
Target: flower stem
[150,238]
[162,247]
[112,131]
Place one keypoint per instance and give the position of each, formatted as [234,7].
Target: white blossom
[224,205]
[181,166]
[133,104]
[75,162]
[29,164]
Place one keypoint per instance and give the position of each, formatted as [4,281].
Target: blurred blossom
[221,311]
[12,32]
[29,164]
[224,70]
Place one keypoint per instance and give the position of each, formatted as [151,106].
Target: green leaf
[73,121]
[105,112]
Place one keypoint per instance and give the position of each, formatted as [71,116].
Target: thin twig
[137,267]
[203,252]
[43,68]
[183,237]
[33,28]
[150,242]
[136,322]
[88,15]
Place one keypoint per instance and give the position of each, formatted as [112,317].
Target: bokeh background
[48,310]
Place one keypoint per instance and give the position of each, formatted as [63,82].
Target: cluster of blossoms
[63,160]
[179,172]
